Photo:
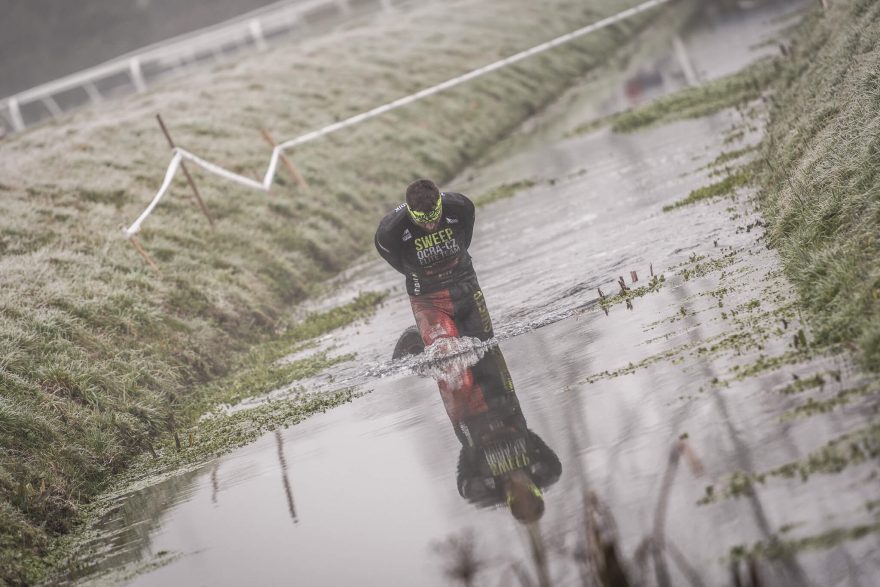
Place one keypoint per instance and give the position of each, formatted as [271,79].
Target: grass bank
[100,358]
[821,182]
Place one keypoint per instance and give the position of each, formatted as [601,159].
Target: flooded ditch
[676,441]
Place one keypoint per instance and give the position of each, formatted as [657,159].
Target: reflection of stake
[189,177]
[287,491]
[288,164]
[658,542]
[215,482]
[137,246]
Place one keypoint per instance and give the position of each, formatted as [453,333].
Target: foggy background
[42,40]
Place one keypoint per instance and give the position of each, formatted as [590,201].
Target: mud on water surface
[701,438]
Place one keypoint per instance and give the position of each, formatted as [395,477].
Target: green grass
[724,187]
[821,185]
[775,548]
[503,191]
[100,357]
[698,101]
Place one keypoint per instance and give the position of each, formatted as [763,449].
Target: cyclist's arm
[469,221]
[391,255]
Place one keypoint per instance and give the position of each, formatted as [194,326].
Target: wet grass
[852,448]
[258,371]
[504,191]
[813,406]
[727,157]
[103,360]
[725,187]
[777,548]
[627,295]
[695,102]
[726,92]
[802,384]
[822,174]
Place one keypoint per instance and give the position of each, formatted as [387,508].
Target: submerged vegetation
[724,187]
[104,358]
[698,101]
[730,91]
[501,192]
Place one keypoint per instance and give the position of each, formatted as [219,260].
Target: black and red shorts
[459,310]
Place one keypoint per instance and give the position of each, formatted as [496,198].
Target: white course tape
[180,154]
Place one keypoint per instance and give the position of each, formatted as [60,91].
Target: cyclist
[427,239]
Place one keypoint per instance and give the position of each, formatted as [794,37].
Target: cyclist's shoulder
[457,200]
[393,220]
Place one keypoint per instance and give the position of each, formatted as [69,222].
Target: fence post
[137,246]
[15,115]
[93,93]
[288,164]
[189,178]
[137,76]
[52,106]
[257,33]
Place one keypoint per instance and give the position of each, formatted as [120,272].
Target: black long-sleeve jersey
[431,261]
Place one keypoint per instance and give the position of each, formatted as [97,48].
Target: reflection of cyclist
[501,459]
[427,239]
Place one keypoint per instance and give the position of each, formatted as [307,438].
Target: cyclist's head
[524,498]
[424,203]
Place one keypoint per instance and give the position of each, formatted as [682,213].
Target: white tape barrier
[180,154]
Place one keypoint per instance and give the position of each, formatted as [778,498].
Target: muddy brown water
[368,493]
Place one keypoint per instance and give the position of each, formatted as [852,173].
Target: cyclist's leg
[434,315]
[470,311]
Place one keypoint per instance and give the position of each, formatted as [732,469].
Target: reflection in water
[501,460]
[284,477]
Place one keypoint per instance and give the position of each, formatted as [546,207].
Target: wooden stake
[288,164]
[137,246]
[189,177]
[633,277]
[651,269]
[601,295]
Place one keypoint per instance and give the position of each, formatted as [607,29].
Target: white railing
[140,68]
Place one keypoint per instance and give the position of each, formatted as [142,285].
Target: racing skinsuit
[443,290]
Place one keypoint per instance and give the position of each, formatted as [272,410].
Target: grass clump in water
[698,101]
[776,548]
[627,295]
[501,192]
[725,187]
